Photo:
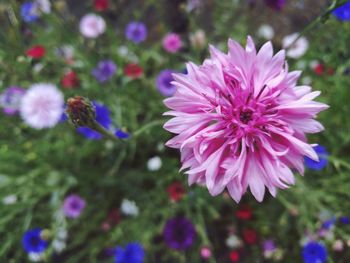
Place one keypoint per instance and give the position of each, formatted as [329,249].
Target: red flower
[234,256]
[112,219]
[133,71]
[70,80]
[319,69]
[101,5]
[250,236]
[176,191]
[244,213]
[37,51]
[330,71]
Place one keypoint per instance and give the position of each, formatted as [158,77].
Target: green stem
[97,127]
[147,127]
[320,19]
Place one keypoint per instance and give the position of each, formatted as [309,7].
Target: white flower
[62,233]
[233,242]
[42,106]
[266,31]
[306,80]
[35,257]
[154,164]
[298,48]
[123,51]
[129,208]
[43,5]
[38,67]
[9,200]
[91,26]
[198,39]
[58,245]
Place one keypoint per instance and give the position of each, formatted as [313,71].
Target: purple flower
[269,245]
[10,99]
[102,117]
[276,4]
[329,223]
[314,252]
[29,12]
[104,70]
[73,205]
[132,253]
[163,82]
[323,161]
[136,32]
[179,233]
[121,134]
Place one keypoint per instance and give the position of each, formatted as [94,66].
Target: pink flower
[73,206]
[172,43]
[241,121]
[92,26]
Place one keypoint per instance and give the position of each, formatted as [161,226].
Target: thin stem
[147,127]
[97,127]
[320,19]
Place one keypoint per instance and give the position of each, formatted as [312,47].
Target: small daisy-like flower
[241,121]
[73,206]
[136,32]
[42,106]
[129,208]
[132,253]
[163,82]
[298,49]
[32,241]
[179,233]
[10,99]
[154,164]
[104,71]
[172,42]
[92,26]
[266,31]
[314,252]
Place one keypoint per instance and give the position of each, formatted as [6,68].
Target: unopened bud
[81,111]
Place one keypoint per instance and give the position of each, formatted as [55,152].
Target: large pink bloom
[241,121]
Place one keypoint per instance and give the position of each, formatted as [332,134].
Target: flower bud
[81,111]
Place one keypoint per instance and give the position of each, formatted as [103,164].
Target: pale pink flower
[241,121]
[92,26]
[42,106]
[172,42]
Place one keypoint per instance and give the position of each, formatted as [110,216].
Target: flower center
[245,116]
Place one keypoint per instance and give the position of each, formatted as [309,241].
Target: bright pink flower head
[241,121]
[172,43]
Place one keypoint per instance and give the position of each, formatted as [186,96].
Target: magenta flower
[73,205]
[172,43]
[241,121]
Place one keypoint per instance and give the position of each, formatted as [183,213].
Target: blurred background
[76,195]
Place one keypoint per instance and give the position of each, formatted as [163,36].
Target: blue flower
[104,70]
[344,220]
[29,12]
[329,223]
[122,135]
[136,32]
[102,117]
[314,252]
[343,12]
[323,161]
[133,253]
[32,241]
